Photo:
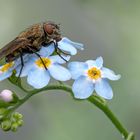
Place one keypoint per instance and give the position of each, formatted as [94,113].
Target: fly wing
[11,47]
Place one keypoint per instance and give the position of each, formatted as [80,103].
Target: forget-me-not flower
[90,76]
[38,73]
[6,70]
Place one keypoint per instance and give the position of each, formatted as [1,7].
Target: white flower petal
[47,50]
[103,89]
[59,73]
[77,69]
[5,75]
[91,63]
[38,78]
[26,57]
[26,68]
[82,88]
[75,44]
[67,47]
[58,59]
[107,73]
[99,62]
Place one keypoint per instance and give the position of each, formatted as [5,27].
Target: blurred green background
[108,28]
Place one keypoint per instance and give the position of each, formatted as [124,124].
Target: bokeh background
[107,28]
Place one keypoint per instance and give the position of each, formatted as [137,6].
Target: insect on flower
[31,40]
[38,77]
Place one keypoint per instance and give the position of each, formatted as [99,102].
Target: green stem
[22,101]
[131,136]
[111,116]
[96,100]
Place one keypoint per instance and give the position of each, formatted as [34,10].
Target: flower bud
[17,115]
[20,122]
[14,127]
[6,95]
[6,125]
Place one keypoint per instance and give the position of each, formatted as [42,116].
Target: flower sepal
[4,104]
[3,112]
[14,79]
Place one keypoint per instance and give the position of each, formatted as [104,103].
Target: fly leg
[34,51]
[22,65]
[57,50]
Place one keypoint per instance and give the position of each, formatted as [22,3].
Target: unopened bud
[6,95]
[17,115]
[14,127]
[20,122]
[6,125]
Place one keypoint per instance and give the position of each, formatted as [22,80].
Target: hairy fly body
[30,40]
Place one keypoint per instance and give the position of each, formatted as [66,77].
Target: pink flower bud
[6,95]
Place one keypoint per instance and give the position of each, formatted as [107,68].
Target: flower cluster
[89,76]
[12,122]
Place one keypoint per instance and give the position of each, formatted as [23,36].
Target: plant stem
[96,100]
[21,101]
[111,116]
[131,136]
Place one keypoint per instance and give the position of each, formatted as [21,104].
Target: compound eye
[49,29]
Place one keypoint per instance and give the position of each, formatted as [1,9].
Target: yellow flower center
[6,66]
[46,62]
[94,73]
